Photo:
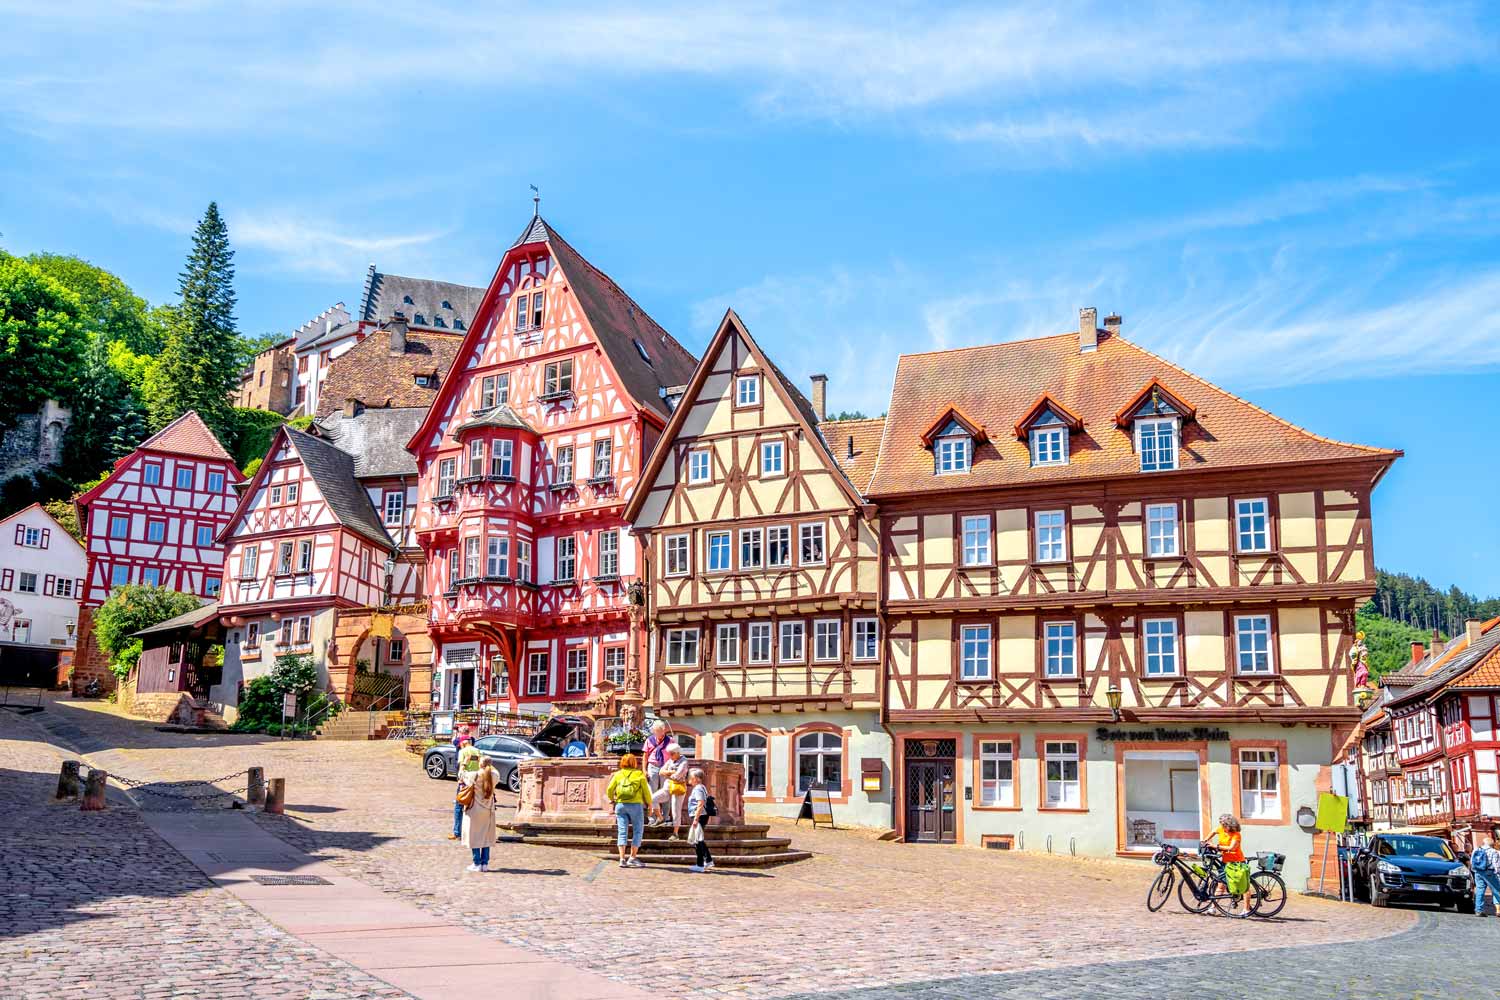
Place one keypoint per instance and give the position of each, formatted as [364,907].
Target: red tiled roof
[370,373]
[1046,402]
[187,435]
[854,444]
[1485,675]
[993,383]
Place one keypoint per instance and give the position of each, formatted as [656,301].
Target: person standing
[479,816]
[630,793]
[466,761]
[1485,863]
[655,752]
[697,806]
[1227,838]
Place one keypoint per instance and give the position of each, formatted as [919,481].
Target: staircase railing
[380,707]
[317,712]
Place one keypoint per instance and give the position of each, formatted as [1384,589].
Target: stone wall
[175,707]
[89,661]
[34,441]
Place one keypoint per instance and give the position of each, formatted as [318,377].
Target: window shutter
[20,534]
[7,578]
[46,537]
[78,588]
[48,584]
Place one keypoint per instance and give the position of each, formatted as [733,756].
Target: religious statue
[1359,657]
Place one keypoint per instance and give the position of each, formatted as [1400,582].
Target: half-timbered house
[42,571]
[1072,523]
[154,520]
[763,564]
[536,439]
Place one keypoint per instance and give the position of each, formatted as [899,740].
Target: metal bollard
[69,782]
[93,791]
[275,795]
[255,792]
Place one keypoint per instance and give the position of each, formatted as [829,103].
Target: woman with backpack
[630,793]
[700,808]
[477,796]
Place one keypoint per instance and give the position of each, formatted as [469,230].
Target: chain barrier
[180,789]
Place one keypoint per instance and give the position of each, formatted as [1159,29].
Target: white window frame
[976,652]
[32,538]
[576,667]
[447,476]
[473,566]
[1148,432]
[816,533]
[1161,647]
[563,464]
[1250,632]
[712,552]
[747,390]
[760,643]
[727,645]
[975,530]
[779,537]
[523,560]
[1252,525]
[739,748]
[1161,531]
[1062,792]
[63,586]
[682,647]
[791,646]
[614,665]
[503,458]
[866,634]
[997,774]
[395,507]
[609,553]
[752,548]
[1260,782]
[567,555]
[1050,528]
[700,466]
[1049,446]
[497,556]
[951,455]
[604,458]
[28,582]
[828,634]
[772,459]
[538,673]
[816,744]
[677,555]
[1060,662]
[476,459]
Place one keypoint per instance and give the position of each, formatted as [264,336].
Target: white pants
[662,795]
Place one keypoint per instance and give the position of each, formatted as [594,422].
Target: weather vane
[536,201]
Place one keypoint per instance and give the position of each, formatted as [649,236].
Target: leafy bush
[260,705]
[251,467]
[253,430]
[127,610]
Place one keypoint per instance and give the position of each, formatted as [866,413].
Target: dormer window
[1155,418]
[1049,446]
[1156,443]
[952,453]
[1045,428]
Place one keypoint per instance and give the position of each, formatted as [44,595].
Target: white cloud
[315,248]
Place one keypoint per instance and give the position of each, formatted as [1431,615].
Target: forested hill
[1413,601]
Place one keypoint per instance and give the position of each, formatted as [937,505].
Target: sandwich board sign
[817,807]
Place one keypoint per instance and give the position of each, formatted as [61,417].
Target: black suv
[1407,868]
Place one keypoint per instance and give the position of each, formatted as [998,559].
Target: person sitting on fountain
[674,775]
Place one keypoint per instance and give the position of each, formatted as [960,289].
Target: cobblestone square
[96,905]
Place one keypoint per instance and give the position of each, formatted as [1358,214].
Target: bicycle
[1204,885]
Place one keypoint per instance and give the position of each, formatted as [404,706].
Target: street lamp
[1112,695]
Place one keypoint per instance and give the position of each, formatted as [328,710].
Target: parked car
[560,730]
[503,753]
[1407,868]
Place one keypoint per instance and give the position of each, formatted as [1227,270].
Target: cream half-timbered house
[1072,521]
[535,441]
[762,562]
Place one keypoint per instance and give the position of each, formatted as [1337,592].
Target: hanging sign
[817,807]
[380,626]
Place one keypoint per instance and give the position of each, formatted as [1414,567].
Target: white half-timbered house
[41,577]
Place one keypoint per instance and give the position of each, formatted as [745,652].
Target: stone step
[722,860]
[758,845]
[725,830]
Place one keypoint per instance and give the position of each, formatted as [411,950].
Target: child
[698,820]
[1226,837]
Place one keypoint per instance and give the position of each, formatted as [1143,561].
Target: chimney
[1473,630]
[351,407]
[397,328]
[851,447]
[1088,329]
[1112,324]
[820,396]
[1417,652]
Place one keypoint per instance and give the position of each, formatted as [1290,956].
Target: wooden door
[931,802]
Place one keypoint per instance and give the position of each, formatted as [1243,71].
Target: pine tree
[107,422]
[200,363]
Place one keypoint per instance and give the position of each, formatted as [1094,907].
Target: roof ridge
[986,347]
[1259,409]
[851,420]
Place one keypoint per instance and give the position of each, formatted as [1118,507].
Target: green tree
[107,421]
[1389,640]
[129,609]
[41,339]
[65,514]
[108,308]
[202,357]
[253,430]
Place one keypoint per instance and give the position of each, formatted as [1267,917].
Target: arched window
[749,751]
[687,743]
[820,760]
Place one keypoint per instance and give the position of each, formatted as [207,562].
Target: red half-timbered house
[537,437]
[154,520]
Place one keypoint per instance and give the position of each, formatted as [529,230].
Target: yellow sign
[1333,813]
[380,626]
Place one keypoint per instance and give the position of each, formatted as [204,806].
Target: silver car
[502,752]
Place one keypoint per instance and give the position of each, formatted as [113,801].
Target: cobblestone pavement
[863,918]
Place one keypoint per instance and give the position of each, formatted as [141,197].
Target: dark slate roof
[375,438]
[621,325]
[495,416]
[437,304]
[1460,663]
[333,471]
[188,619]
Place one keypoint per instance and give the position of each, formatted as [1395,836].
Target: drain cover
[290,880]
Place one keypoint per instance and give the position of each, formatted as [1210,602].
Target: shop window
[820,758]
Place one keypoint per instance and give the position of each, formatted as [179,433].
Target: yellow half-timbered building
[763,572]
[1117,600]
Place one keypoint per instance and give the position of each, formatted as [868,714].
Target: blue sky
[1296,201]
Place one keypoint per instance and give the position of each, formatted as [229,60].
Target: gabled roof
[855,445]
[39,509]
[188,619]
[1044,404]
[376,438]
[370,373]
[333,470]
[625,333]
[993,383]
[1158,394]
[801,411]
[187,435]
[1459,660]
[953,415]
[440,305]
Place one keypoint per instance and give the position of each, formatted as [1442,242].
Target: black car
[503,753]
[1407,868]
